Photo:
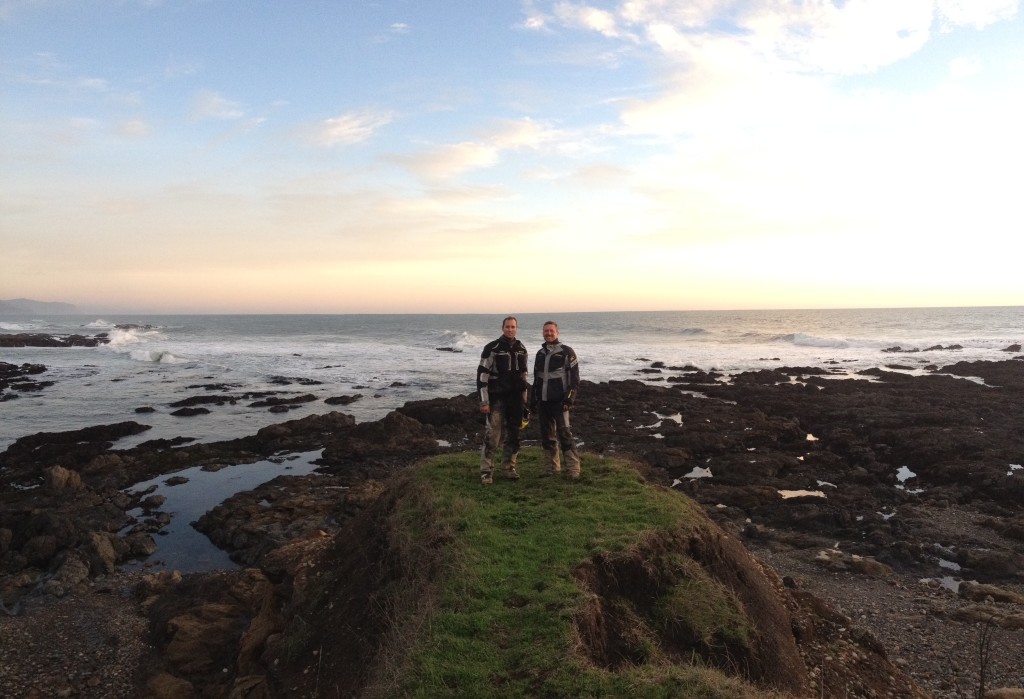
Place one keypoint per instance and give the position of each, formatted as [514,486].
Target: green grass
[501,621]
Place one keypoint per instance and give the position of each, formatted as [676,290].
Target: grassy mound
[541,587]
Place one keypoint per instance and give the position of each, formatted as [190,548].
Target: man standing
[556,378]
[502,381]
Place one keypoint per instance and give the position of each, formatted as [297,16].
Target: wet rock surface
[44,340]
[904,477]
[15,379]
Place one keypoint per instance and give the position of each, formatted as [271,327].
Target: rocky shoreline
[856,490]
[45,340]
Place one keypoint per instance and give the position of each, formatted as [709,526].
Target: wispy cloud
[839,38]
[977,13]
[450,160]
[177,68]
[350,128]
[587,17]
[209,104]
[133,128]
[483,151]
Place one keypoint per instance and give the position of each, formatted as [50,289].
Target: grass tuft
[506,598]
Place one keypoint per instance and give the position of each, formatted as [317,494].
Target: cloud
[133,128]
[453,159]
[586,17]
[400,28]
[535,20]
[857,37]
[9,7]
[976,13]
[842,38]
[209,104]
[964,67]
[350,128]
[450,160]
[178,68]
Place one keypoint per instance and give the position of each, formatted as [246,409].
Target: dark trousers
[505,419]
[555,434]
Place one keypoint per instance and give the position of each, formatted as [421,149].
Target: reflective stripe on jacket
[556,373]
[503,370]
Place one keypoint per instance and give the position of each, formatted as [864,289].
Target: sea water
[152,361]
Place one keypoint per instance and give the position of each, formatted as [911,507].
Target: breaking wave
[123,338]
[156,357]
[459,341]
[804,340]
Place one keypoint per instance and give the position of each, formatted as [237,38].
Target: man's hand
[485,408]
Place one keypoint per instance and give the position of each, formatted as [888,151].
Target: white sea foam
[14,327]
[392,359]
[460,341]
[804,340]
[124,337]
[156,356]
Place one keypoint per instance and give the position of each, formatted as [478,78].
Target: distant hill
[41,307]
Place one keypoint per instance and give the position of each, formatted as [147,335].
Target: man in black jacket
[556,378]
[502,382]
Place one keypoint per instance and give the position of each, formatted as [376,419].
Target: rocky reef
[875,482]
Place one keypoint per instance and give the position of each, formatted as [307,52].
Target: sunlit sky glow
[408,156]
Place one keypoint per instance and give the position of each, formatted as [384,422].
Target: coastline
[961,507]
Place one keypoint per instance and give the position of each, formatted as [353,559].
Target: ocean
[155,360]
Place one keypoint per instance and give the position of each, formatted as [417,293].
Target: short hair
[507,319]
[551,322]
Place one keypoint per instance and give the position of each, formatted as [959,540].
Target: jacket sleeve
[536,388]
[483,374]
[523,367]
[572,371]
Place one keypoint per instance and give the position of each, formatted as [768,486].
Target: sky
[194,156]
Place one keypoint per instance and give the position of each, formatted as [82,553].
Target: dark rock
[342,400]
[153,502]
[43,340]
[202,400]
[189,412]
[39,550]
[274,402]
[15,378]
[287,381]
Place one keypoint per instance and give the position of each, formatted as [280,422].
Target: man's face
[509,329]
[550,333]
